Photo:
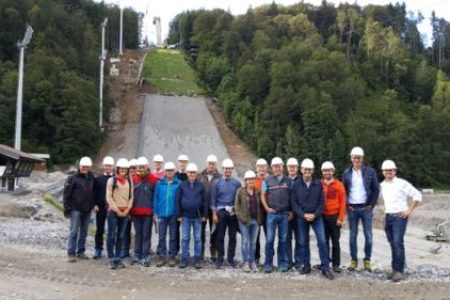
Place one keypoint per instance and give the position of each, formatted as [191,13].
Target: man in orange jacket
[334,212]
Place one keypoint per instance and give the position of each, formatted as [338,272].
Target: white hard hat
[169,166]
[249,174]
[108,161]
[158,158]
[327,165]
[211,158]
[227,163]
[85,162]
[191,167]
[276,161]
[307,163]
[123,163]
[292,162]
[388,165]
[357,151]
[142,161]
[261,162]
[183,157]
[133,162]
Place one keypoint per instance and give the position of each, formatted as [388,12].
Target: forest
[314,81]
[60,108]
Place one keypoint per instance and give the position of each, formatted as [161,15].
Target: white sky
[168,9]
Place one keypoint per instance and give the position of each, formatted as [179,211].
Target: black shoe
[336,269]
[183,264]
[327,274]
[97,255]
[306,269]
[232,263]
[198,264]
[219,263]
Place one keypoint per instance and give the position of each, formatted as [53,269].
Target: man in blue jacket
[164,213]
[362,188]
[307,201]
[191,210]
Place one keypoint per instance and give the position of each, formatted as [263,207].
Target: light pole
[102,65]
[21,45]
[121,32]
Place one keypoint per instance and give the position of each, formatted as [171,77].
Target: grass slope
[169,73]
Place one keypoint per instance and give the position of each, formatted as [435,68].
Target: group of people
[284,203]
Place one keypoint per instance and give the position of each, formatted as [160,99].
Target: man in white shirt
[395,192]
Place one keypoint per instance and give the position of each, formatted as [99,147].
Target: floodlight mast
[102,65]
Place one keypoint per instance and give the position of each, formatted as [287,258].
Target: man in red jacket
[334,212]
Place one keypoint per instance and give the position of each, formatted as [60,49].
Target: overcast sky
[168,9]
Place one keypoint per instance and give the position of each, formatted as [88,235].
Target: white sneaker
[246,267]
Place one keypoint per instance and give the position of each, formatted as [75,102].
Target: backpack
[114,186]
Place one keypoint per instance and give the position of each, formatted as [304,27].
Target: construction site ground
[33,234]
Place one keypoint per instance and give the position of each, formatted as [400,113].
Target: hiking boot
[232,263]
[246,268]
[198,263]
[367,265]
[306,269]
[183,264]
[161,262]
[172,262]
[336,269]
[112,264]
[353,265]
[327,274]
[134,260]
[146,262]
[82,256]
[398,276]
[390,275]
[120,264]
[268,269]
[254,267]
[97,255]
[219,263]
[71,259]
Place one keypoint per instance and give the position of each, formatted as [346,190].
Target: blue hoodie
[164,197]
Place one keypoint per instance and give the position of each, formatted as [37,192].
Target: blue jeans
[366,216]
[395,228]
[303,227]
[116,234]
[274,220]
[79,223]
[165,223]
[186,225]
[143,235]
[249,235]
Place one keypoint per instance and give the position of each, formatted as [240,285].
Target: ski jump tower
[157,23]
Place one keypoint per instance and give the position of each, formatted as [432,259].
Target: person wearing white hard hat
[362,188]
[133,166]
[164,213]
[101,206]
[223,195]
[275,197]
[142,211]
[261,174]
[395,192]
[292,170]
[208,177]
[307,201]
[334,211]
[191,211]
[78,198]
[181,174]
[119,195]
[158,163]
[250,217]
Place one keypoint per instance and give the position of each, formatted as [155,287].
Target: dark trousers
[127,240]
[100,220]
[332,234]
[143,235]
[395,228]
[213,235]
[230,222]
[177,237]
[116,234]
[167,225]
[291,235]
